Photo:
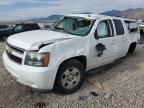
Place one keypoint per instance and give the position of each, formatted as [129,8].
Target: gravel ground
[121,86]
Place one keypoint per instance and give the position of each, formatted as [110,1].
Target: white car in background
[59,57]
[141,26]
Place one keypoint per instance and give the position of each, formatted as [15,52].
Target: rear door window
[119,27]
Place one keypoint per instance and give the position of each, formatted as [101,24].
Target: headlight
[33,58]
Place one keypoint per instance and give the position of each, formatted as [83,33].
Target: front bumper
[35,77]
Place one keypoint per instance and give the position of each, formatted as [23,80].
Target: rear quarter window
[119,27]
[132,26]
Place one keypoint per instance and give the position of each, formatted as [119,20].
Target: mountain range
[137,13]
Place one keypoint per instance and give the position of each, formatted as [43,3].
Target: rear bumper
[35,77]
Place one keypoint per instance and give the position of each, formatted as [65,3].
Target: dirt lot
[121,86]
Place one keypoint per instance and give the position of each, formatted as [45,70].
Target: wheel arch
[132,46]
[133,43]
[81,58]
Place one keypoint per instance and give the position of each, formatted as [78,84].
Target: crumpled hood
[33,39]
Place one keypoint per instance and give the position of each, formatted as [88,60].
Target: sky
[25,9]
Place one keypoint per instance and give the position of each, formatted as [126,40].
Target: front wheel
[70,77]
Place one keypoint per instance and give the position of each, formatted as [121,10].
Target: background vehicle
[59,57]
[141,29]
[4,27]
[4,34]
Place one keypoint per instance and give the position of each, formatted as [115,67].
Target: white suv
[59,57]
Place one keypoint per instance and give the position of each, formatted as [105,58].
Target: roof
[97,16]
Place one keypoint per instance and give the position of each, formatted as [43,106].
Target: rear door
[103,44]
[122,37]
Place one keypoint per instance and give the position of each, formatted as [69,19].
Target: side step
[105,67]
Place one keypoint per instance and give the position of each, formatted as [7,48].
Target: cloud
[10,2]
[66,6]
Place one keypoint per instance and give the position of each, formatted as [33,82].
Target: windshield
[74,25]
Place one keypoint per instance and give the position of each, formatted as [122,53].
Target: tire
[70,77]
[141,32]
[4,38]
[132,48]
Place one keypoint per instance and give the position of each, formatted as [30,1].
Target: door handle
[124,39]
[113,43]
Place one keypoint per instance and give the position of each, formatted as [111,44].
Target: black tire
[141,32]
[59,87]
[4,38]
[132,48]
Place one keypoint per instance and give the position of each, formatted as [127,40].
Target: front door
[103,45]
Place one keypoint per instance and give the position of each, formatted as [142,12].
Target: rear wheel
[141,32]
[70,77]
[132,48]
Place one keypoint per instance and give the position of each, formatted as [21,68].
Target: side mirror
[95,35]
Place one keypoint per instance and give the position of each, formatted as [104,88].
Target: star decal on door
[100,49]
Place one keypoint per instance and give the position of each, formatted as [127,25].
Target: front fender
[66,49]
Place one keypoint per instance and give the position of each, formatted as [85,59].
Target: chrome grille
[14,58]
[19,50]
[14,53]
